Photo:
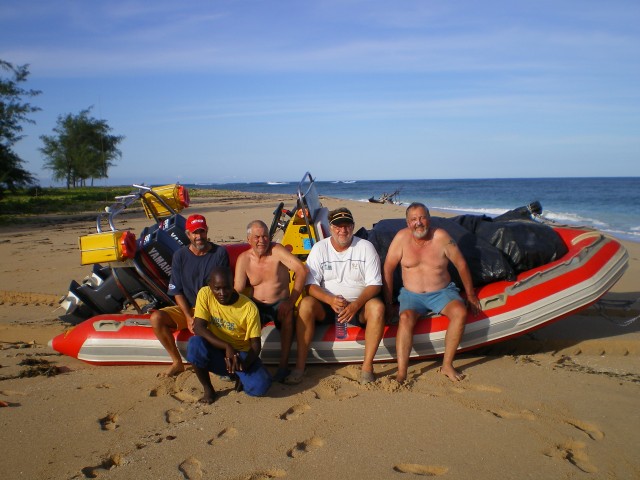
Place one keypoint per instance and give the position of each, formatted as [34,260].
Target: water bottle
[341,329]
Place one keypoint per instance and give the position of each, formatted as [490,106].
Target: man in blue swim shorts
[424,253]
[429,302]
[227,337]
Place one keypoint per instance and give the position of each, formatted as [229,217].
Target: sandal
[294,378]
[281,374]
[367,377]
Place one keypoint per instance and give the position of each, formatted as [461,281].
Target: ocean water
[609,204]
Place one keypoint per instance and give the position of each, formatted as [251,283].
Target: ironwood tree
[14,113]
[81,148]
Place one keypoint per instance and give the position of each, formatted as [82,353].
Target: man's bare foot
[451,373]
[175,369]
[208,398]
[401,378]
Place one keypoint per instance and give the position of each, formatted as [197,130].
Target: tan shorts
[175,313]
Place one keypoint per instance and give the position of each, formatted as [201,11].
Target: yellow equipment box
[107,247]
[175,197]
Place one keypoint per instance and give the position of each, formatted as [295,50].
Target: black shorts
[269,313]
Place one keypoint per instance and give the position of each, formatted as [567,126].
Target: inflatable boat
[522,296]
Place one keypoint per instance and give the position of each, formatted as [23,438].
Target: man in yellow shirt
[227,337]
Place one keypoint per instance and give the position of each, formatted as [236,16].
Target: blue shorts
[255,381]
[424,303]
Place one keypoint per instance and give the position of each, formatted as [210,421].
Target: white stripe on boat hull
[495,327]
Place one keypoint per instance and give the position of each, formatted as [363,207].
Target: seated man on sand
[190,269]
[424,253]
[265,266]
[344,283]
[227,337]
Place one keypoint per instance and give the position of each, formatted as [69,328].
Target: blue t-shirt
[189,272]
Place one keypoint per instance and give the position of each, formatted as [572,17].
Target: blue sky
[226,91]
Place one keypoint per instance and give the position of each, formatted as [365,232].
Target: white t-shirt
[344,273]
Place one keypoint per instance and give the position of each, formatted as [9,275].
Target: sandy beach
[561,402]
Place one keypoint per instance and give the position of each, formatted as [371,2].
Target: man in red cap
[191,267]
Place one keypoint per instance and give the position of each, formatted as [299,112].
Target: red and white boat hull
[593,264]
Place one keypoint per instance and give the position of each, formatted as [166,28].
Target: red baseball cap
[196,222]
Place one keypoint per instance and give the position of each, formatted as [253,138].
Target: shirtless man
[265,268]
[424,253]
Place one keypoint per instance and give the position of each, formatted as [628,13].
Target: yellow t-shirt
[234,324]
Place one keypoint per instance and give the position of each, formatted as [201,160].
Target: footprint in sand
[477,388]
[305,447]
[591,430]
[11,393]
[98,386]
[417,469]
[166,387]
[323,393]
[174,386]
[486,388]
[346,395]
[266,474]
[191,468]
[226,434]
[574,453]
[174,415]
[336,387]
[110,422]
[186,397]
[106,465]
[525,414]
[295,411]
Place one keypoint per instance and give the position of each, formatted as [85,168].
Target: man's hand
[190,322]
[284,309]
[343,308]
[338,303]
[474,303]
[391,313]
[233,361]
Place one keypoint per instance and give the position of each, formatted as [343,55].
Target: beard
[199,246]
[343,241]
[420,234]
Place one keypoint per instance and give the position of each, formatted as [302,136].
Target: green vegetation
[24,204]
[42,201]
[81,149]
[14,112]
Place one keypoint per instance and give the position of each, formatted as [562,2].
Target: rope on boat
[602,305]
